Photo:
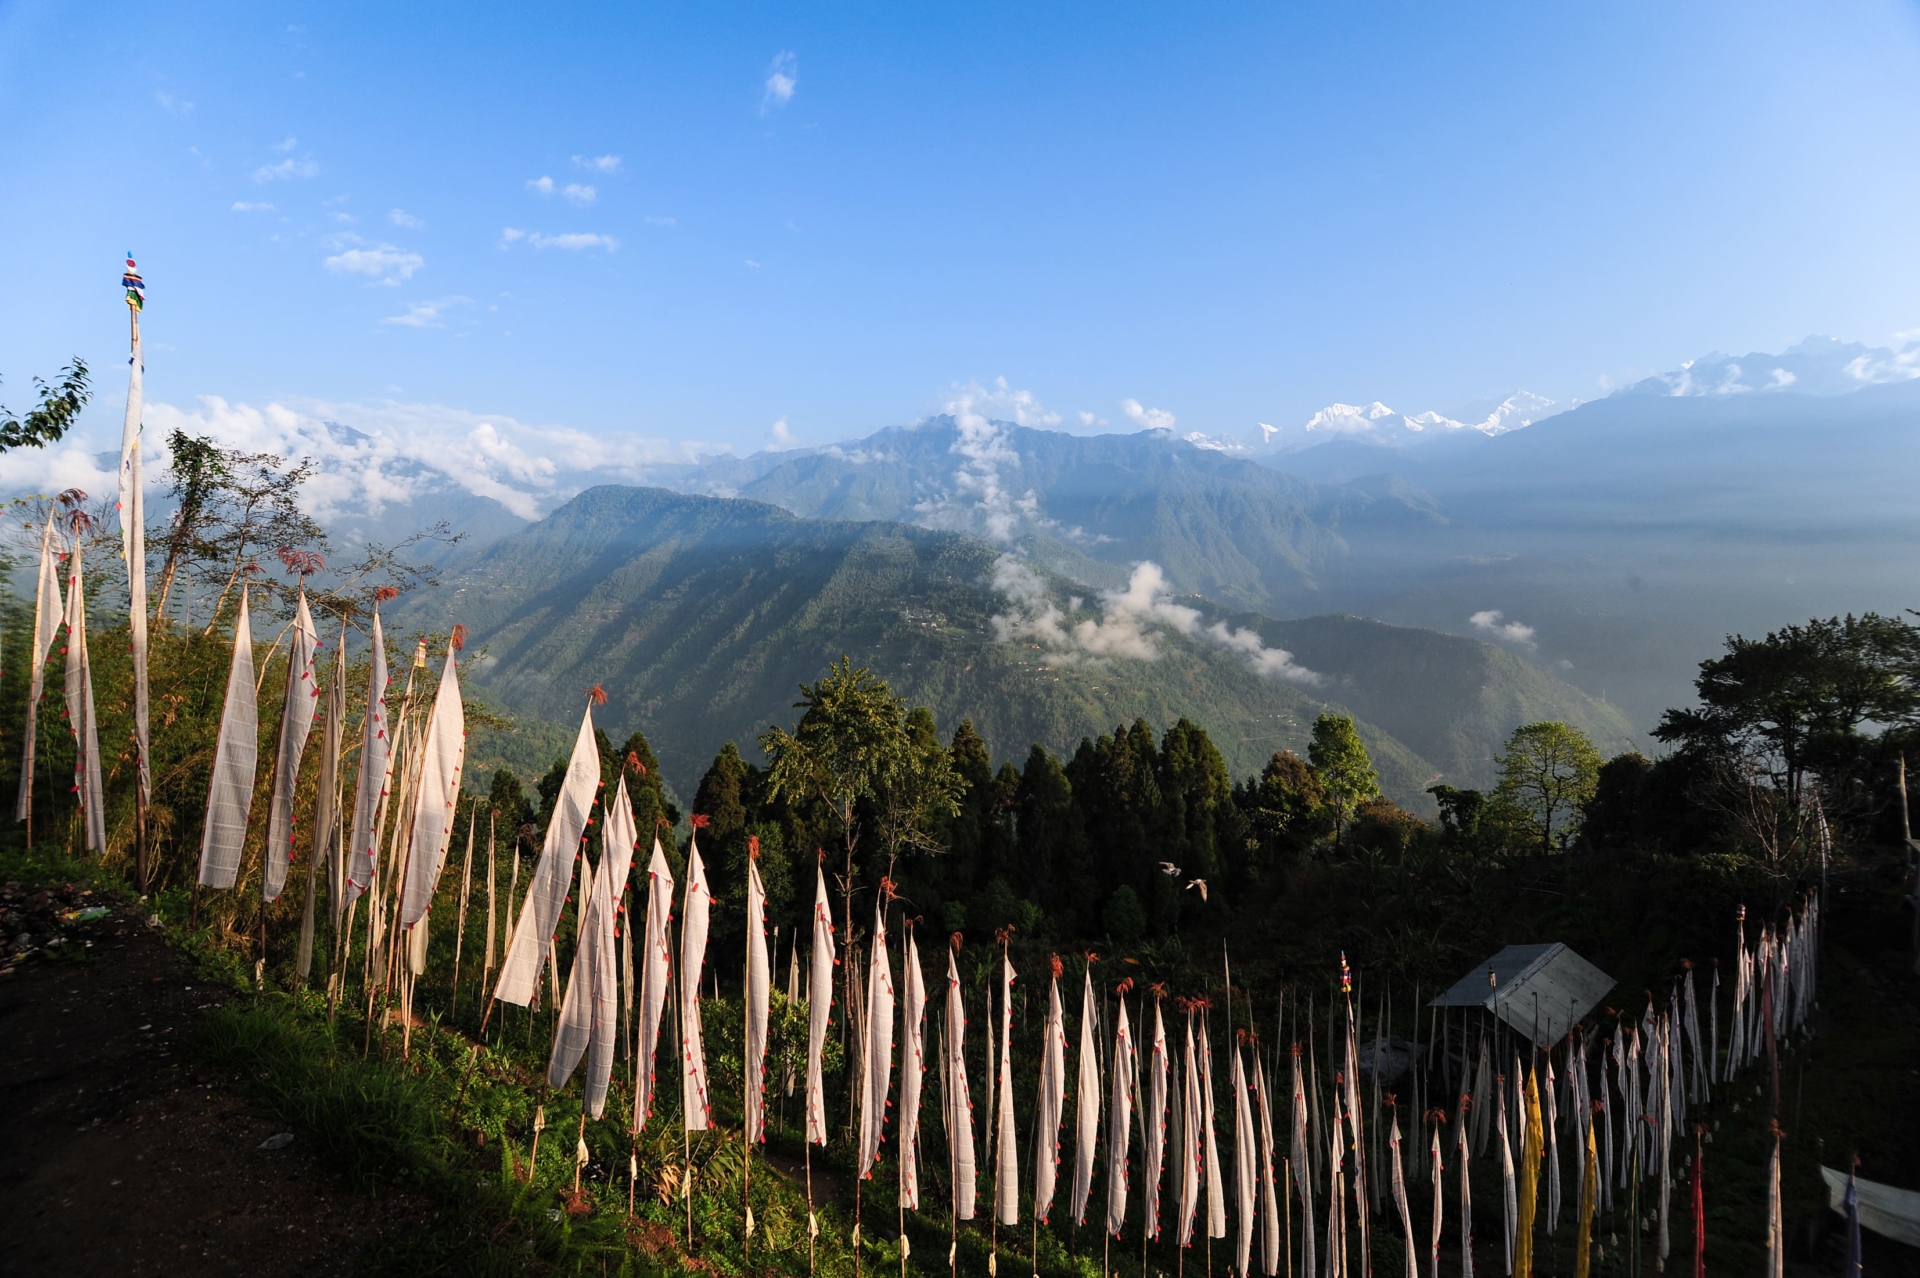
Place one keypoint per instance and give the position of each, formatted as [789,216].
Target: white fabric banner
[230,796]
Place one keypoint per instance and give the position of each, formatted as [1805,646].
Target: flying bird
[1198,883]
[1169,869]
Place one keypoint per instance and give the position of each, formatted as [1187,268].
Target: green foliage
[719,795]
[1801,693]
[1051,837]
[855,745]
[511,811]
[59,407]
[1460,810]
[1549,772]
[1286,809]
[653,813]
[1384,828]
[1340,763]
[1208,827]
[918,790]
[1125,917]
[979,835]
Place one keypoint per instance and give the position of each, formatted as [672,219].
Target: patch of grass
[372,1124]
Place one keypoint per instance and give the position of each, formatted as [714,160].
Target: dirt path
[116,1156]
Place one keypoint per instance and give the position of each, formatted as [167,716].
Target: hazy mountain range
[1610,546]
[699,616]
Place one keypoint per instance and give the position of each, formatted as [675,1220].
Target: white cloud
[752,264]
[570,240]
[985,498]
[1886,365]
[1215,443]
[575,240]
[252,206]
[287,145]
[287,168]
[384,263]
[1131,623]
[427,314]
[402,218]
[783,77]
[580,193]
[541,185]
[1148,418]
[1491,621]
[343,219]
[597,163]
[782,435]
[381,453]
[1276,662]
[74,462]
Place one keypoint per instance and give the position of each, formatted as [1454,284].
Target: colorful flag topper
[135,286]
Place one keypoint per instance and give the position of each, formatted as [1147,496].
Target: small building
[1540,991]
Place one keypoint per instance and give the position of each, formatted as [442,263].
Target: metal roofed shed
[1541,991]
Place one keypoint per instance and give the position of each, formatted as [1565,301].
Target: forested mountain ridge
[1219,525]
[701,615]
[1450,699]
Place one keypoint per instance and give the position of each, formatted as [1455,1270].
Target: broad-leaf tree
[1345,772]
[1548,771]
[855,745]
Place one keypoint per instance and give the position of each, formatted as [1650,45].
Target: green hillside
[1452,700]
[699,615]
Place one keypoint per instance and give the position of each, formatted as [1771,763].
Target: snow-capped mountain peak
[1812,366]
[1377,424]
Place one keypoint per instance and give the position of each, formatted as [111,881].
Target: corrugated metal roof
[1542,991]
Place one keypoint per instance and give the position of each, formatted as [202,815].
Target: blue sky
[830,216]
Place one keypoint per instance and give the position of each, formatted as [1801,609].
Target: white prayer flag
[1006,1193]
[819,1007]
[877,1037]
[959,1102]
[296,721]
[1154,1121]
[376,768]
[230,796]
[532,940]
[1086,1101]
[656,970]
[1119,1120]
[47,612]
[758,996]
[133,551]
[1050,1102]
[913,1068]
[695,1104]
[437,791]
